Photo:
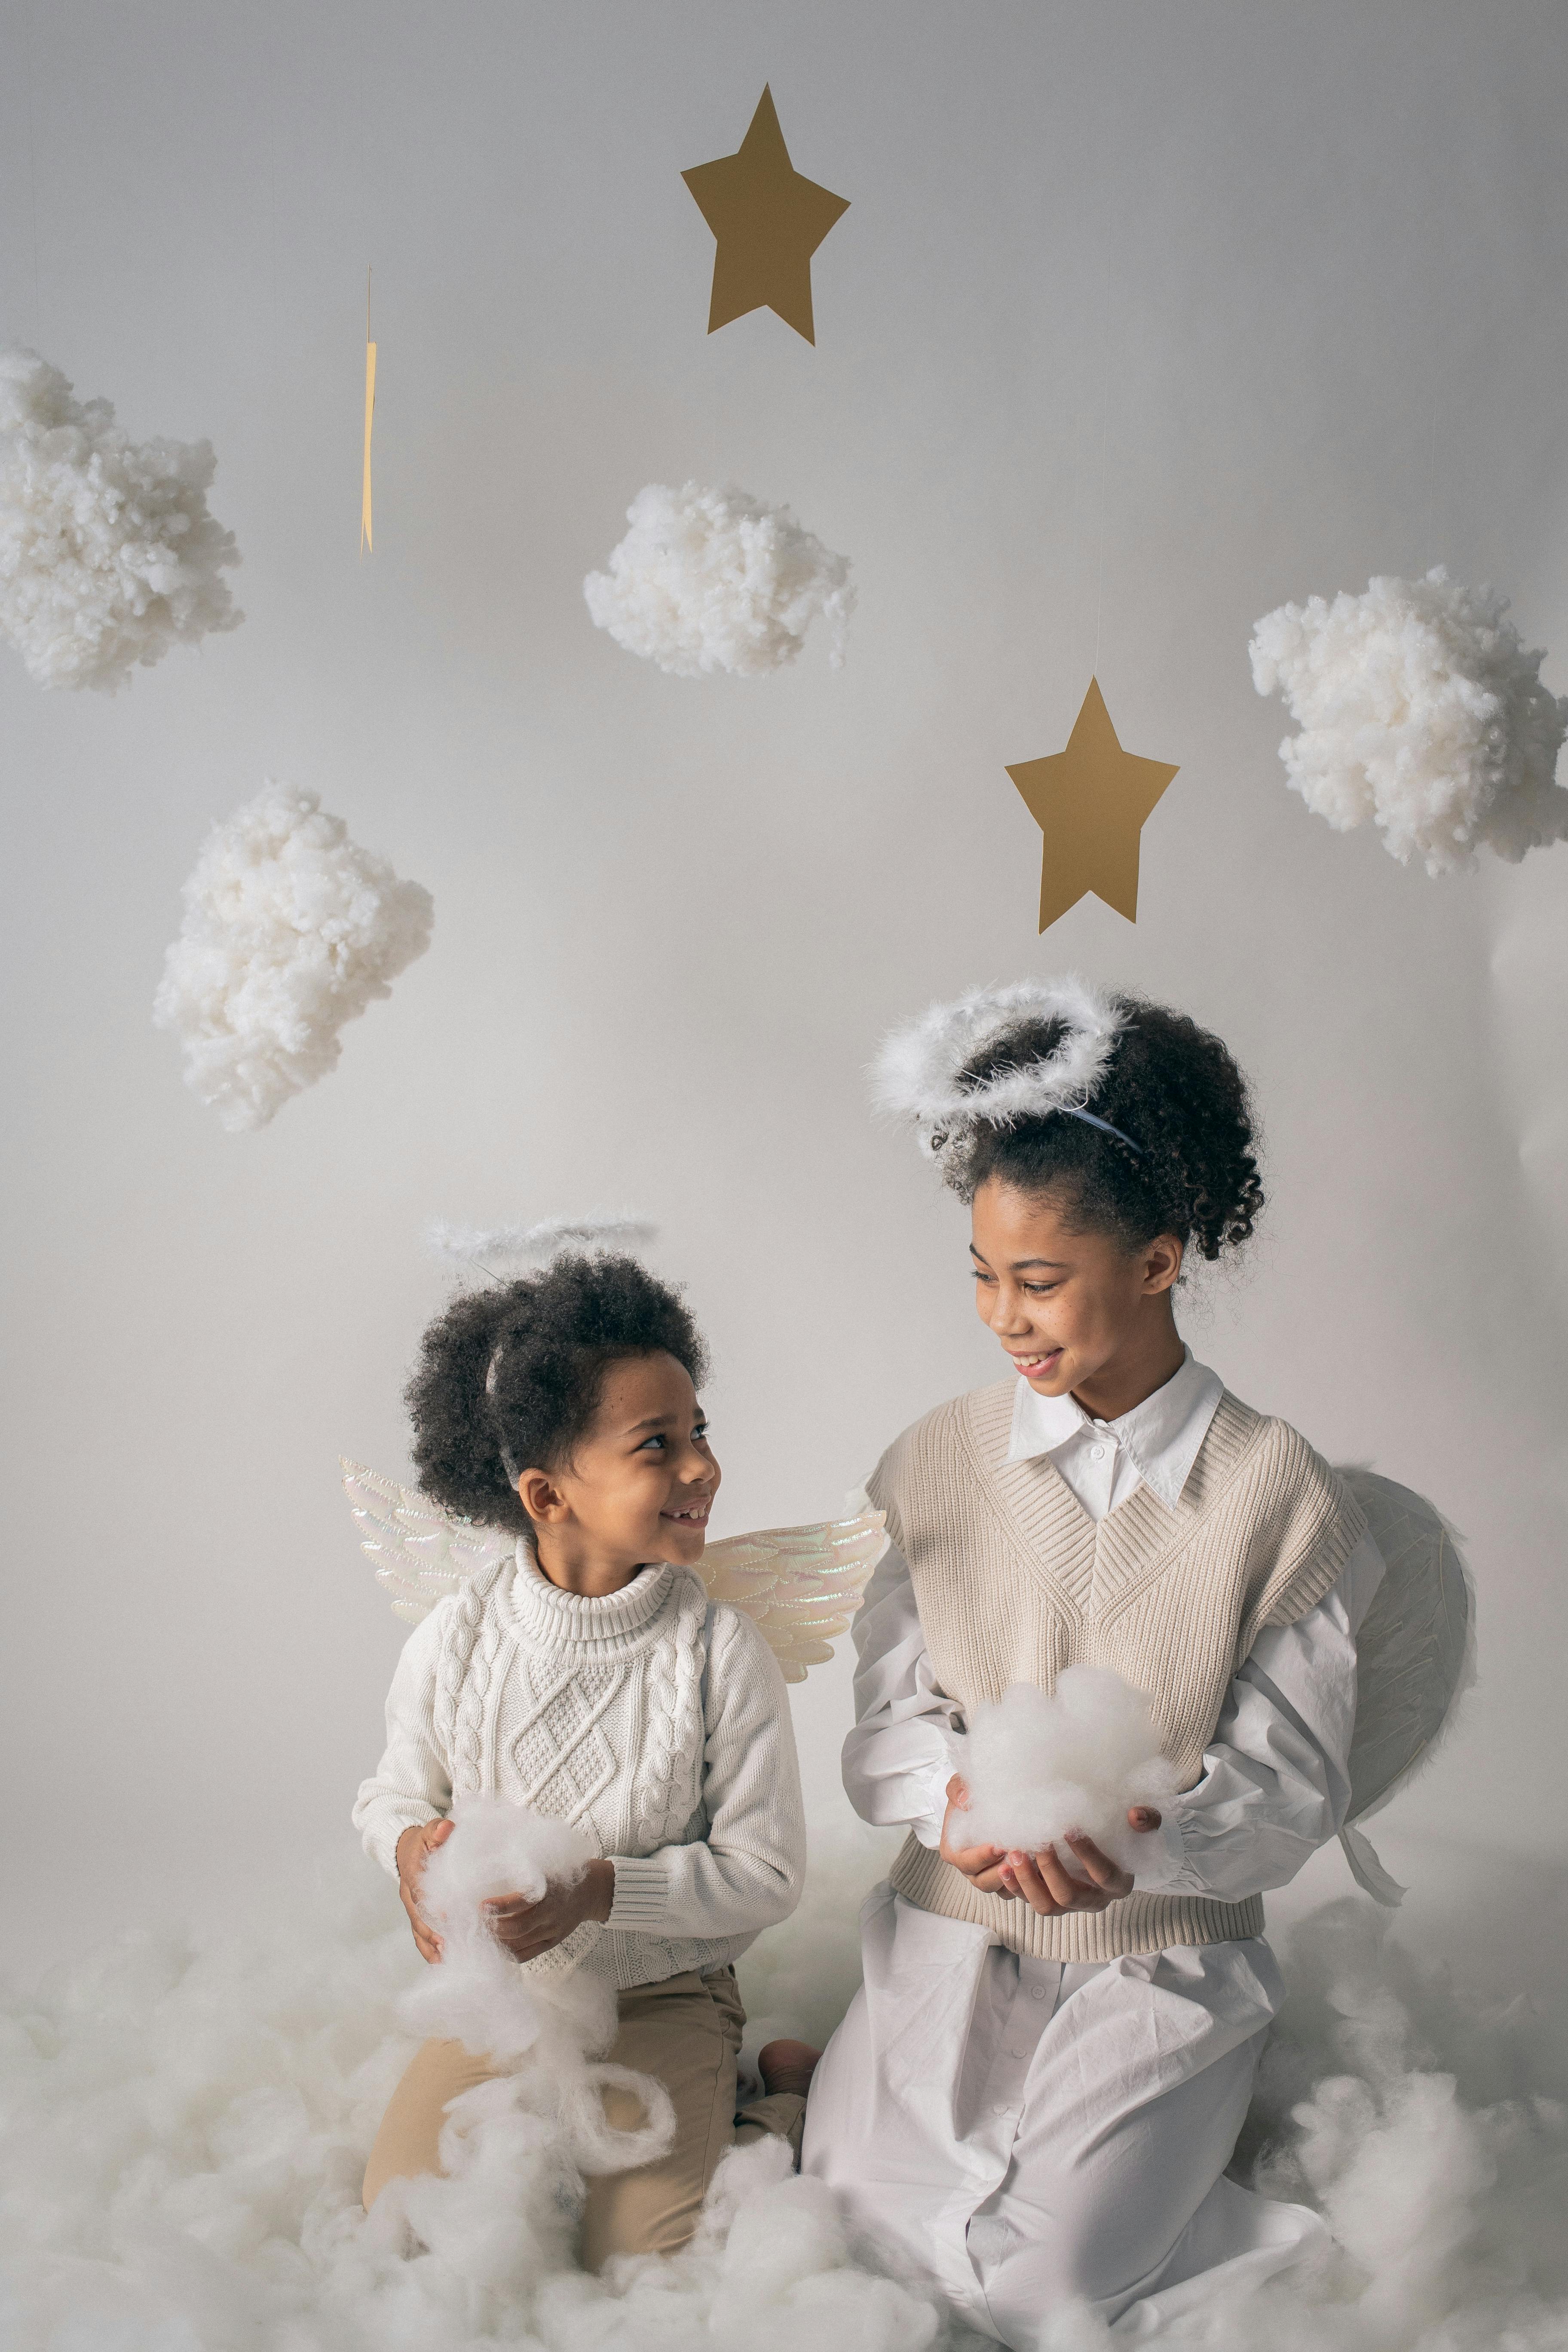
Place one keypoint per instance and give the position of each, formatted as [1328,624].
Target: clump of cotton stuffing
[1039,1764]
[715,580]
[108,554]
[290,929]
[1420,709]
[545,2023]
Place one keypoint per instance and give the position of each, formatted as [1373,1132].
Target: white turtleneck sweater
[656,1719]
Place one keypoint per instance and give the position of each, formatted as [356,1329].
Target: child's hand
[981,1864]
[1048,1885]
[412,1848]
[526,1929]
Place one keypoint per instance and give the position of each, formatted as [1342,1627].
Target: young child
[589,1675]
[1036,2093]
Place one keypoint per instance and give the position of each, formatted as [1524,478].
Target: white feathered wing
[421,1552]
[1415,1659]
[800,1585]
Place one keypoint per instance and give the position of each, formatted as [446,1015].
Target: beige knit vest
[1014,1581]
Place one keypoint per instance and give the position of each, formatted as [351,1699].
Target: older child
[1036,2093]
[589,1675]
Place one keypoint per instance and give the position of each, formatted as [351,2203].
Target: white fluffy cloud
[290,928]
[1039,1764]
[707,580]
[108,554]
[187,2126]
[1420,709]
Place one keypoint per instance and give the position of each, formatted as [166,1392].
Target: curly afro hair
[1171,1086]
[510,1379]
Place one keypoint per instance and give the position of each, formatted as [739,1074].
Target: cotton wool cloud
[290,929]
[1039,1764]
[108,554]
[1420,710]
[187,2121]
[713,579]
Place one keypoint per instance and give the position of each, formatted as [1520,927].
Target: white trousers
[1030,2133]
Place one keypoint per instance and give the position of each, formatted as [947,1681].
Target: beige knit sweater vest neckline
[1014,1581]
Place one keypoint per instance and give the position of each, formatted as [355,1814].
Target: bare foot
[787,2066]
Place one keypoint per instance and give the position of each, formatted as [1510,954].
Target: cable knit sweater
[654,1718]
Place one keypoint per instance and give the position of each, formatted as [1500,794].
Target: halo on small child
[479,1250]
[474,1250]
[916,1074]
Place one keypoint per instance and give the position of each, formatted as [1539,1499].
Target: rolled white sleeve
[1275,1778]
[411,1782]
[906,1744]
[746,1869]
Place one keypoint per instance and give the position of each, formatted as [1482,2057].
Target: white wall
[1221,304]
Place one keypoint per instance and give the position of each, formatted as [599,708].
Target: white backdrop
[1142,320]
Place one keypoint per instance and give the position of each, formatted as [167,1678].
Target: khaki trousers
[687,2032]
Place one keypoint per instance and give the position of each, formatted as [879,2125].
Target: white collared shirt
[1276,1779]
[1104,1462]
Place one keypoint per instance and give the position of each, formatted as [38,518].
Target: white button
[1001,2111]
[1036,1992]
[1097,1452]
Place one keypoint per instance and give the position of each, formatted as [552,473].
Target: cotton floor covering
[183,2120]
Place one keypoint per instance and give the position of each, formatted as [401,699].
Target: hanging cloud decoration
[108,554]
[290,929]
[1419,708]
[711,579]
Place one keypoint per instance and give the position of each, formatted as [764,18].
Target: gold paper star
[1090,801]
[769,221]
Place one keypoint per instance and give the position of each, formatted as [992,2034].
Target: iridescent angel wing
[800,1585]
[1414,1658]
[421,1552]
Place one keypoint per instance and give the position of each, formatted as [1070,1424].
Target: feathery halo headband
[539,1246]
[916,1073]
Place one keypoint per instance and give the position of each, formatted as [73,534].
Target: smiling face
[1075,1309]
[638,1486]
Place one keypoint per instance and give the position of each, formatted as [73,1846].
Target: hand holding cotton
[1419,708]
[544,2023]
[1040,1764]
[108,554]
[708,580]
[479,1994]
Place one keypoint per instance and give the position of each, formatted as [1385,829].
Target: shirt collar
[1161,1435]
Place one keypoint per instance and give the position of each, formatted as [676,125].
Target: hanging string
[1102,179]
[1104,430]
[366,535]
[33,178]
[366,532]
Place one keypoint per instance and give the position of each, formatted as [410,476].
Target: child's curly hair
[1170,1086]
[510,1379]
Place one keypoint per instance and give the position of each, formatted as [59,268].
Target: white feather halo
[537,1245]
[915,1075]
